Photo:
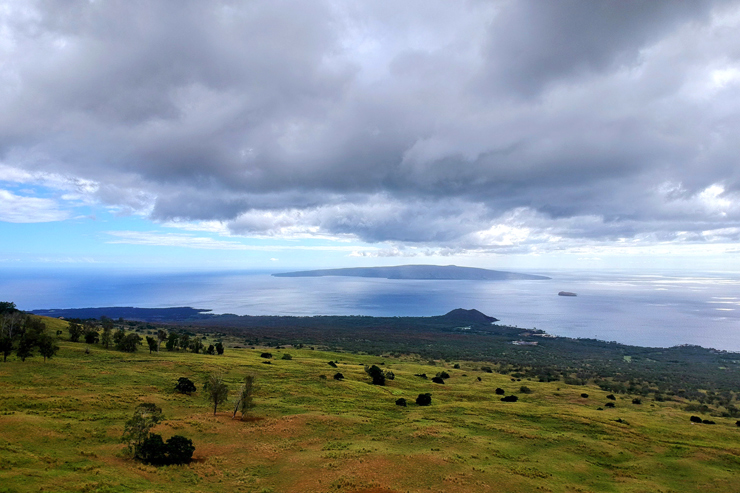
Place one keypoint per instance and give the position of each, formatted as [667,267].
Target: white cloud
[153,238]
[19,209]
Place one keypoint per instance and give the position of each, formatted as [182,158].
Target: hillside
[418,272]
[311,433]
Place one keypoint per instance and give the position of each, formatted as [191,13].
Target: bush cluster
[177,450]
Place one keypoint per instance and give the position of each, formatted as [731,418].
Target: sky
[191,135]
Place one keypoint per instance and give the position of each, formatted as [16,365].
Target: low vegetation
[97,419]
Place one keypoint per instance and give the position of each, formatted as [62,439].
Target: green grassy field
[61,423]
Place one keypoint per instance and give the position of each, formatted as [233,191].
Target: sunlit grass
[61,422]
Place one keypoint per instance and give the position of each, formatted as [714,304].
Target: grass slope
[61,422]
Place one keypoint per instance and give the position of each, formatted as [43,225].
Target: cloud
[153,238]
[19,209]
[499,127]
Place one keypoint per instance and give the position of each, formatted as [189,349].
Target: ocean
[659,310]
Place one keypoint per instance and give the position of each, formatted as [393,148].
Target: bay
[658,310]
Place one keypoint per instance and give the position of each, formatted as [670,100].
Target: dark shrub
[179,450]
[599,408]
[636,400]
[219,348]
[153,450]
[708,422]
[211,349]
[611,397]
[92,336]
[185,386]
[421,375]
[390,375]
[443,375]
[338,376]
[438,380]
[609,404]
[480,379]
[129,343]
[737,423]
[332,364]
[510,398]
[486,369]
[424,399]
[401,402]
[695,419]
[585,396]
[267,362]
[287,356]
[376,374]
[525,390]
[500,391]
[266,355]
[456,366]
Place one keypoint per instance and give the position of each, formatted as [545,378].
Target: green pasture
[61,423]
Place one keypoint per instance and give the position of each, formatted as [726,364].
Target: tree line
[23,334]
[108,335]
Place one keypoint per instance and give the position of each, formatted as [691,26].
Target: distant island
[419,272]
[566,293]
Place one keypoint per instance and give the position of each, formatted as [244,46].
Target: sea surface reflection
[645,310]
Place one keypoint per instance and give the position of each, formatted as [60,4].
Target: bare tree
[216,390]
[161,337]
[244,400]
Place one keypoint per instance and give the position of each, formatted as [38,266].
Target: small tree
[6,346]
[245,400]
[179,450]
[25,346]
[196,345]
[91,336]
[153,450]
[152,343]
[75,331]
[129,343]
[161,337]
[107,337]
[106,322]
[376,374]
[424,400]
[172,340]
[136,430]
[47,346]
[219,348]
[184,341]
[185,386]
[216,390]
[7,307]
[118,337]
[211,349]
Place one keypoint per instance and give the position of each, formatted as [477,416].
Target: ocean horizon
[656,310]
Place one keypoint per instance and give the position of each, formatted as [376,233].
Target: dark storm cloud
[533,43]
[451,125]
